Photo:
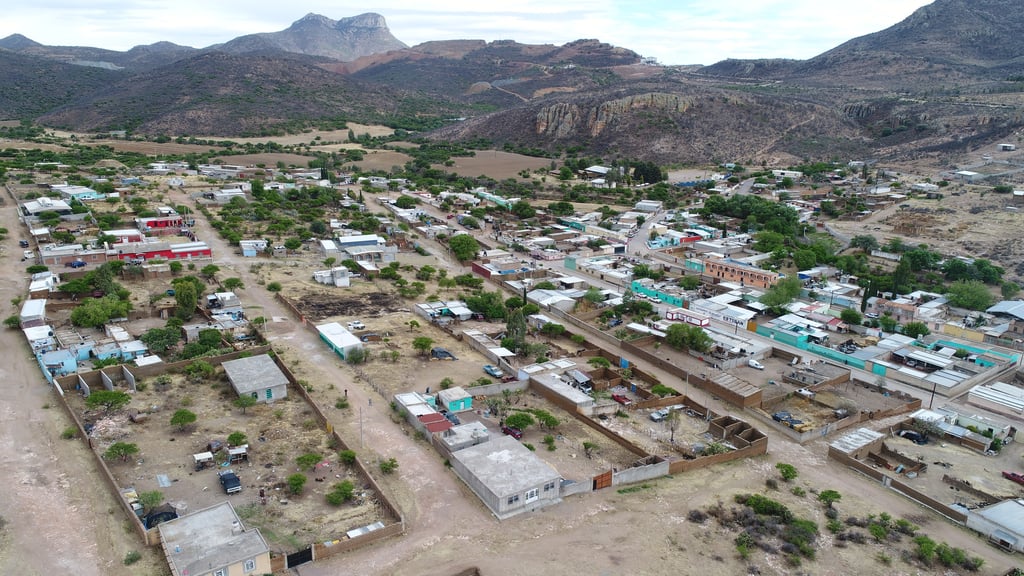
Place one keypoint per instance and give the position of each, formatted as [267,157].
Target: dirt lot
[276,434]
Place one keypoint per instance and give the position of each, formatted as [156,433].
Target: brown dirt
[277,434]
[319,306]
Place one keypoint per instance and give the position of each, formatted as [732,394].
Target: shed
[1002,523]
[257,376]
[339,339]
[33,313]
[455,399]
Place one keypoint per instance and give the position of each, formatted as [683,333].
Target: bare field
[276,433]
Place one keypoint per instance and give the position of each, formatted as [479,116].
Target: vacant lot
[277,434]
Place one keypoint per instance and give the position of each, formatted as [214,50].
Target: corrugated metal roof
[856,440]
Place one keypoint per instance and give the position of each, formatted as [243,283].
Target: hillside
[34,86]
[231,95]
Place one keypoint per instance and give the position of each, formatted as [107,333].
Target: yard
[276,434]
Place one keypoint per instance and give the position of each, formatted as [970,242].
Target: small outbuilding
[455,399]
[339,339]
[1002,523]
[257,376]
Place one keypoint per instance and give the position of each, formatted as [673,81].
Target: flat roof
[338,335]
[505,466]
[856,440]
[207,539]
[1008,514]
[254,373]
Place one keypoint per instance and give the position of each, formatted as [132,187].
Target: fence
[953,514]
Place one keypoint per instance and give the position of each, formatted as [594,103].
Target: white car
[755,364]
[356,325]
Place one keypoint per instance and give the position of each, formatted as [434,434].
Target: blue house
[58,362]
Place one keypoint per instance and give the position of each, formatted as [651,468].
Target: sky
[673,31]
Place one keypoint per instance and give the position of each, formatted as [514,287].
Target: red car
[621,399]
[513,432]
[450,216]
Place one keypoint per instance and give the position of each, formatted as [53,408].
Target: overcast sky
[673,31]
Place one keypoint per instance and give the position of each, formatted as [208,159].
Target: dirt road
[56,516]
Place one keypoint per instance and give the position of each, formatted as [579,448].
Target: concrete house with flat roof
[507,476]
[257,376]
[213,542]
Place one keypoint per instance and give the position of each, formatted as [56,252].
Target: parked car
[356,325]
[27,255]
[622,399]
[915,437]
[871,315]
[659,415]
[492,370]
[74,264]
[755,364]
[513,432]
[450,216]
[229,481]
[1016,477]
[23,243]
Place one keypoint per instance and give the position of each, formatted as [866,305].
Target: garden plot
[276,434]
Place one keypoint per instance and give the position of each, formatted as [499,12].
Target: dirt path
[428,494]
[53,498]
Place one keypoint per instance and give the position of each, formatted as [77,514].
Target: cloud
[674,31]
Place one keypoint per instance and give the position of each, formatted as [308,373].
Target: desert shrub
[347,457]
[388,466]
[834,526]
[341,492]
[132,557]
[697,516]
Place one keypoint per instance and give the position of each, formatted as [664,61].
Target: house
[329,248]
[40,338]
[213,542]
[257,376]
[338,276]
[59,362]
[455,399]
[70,192]
[1002,523]
[463,436]
[224,303]
[1007,147]
[339,339]
[719,270]
[33,313]
[508,477]
[648,206]
[44,204]
[252,248]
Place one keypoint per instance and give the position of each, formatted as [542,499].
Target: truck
[229,481]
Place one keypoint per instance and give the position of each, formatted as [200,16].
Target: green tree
[296,482]
[121,450]
[12,321]
[209,271]
[159,340]
[422,344]
[489,304]
[1009,290]
[236,439]
[425,273]
[552,330]
[95,312]
[464,247]
[804,259]
[245,401]
[689,282]
[233,283]
[292,244]
[520,420]
[406,202]
[186,297]
[865,243]
[970,294]
[515,331]
[523,210]
[887,322]
[851,316]
[916,329]
[176,267]
[787,471]
[829,497]
[782,293]
[108,400]
[182,418]
[688,337]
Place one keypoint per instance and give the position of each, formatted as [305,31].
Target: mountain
[316,35]
[221,94]
[945,79]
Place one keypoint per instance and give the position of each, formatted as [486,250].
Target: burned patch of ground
[320,306]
